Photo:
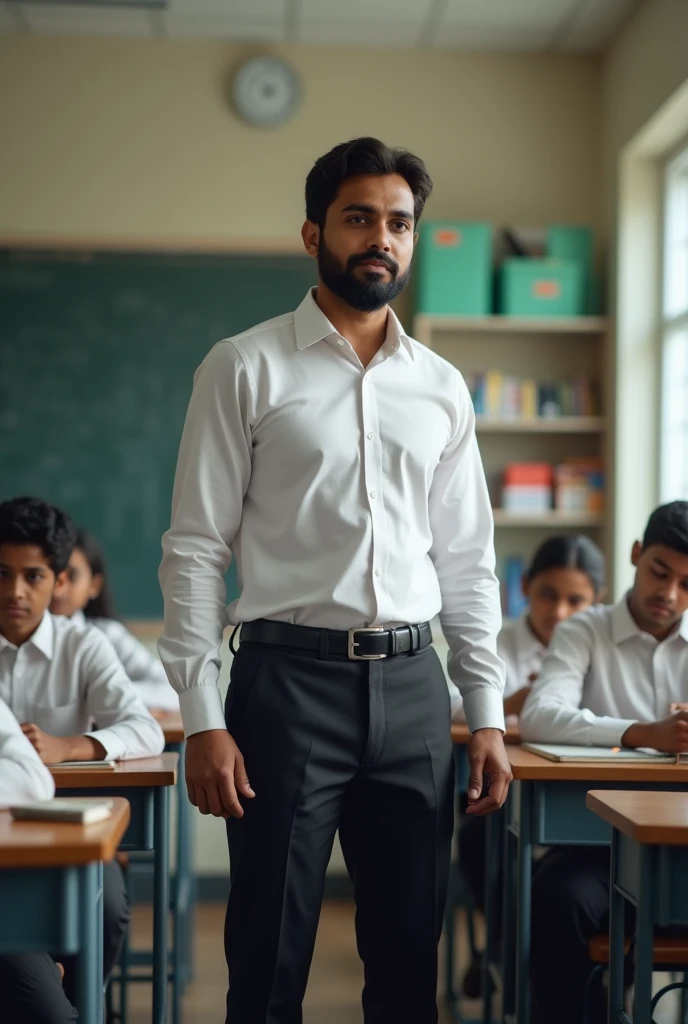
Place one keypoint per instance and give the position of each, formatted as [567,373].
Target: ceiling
[527,25]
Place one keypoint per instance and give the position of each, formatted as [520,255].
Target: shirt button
[373,494]
[371,436]
[378,572]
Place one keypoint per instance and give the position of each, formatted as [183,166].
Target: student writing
[609,678]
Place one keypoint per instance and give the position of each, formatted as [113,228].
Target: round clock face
[266,91]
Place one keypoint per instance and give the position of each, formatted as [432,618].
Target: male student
[337,458]
[63,681]
[30,983]
[611,677]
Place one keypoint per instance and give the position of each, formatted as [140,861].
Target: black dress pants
[570,905]
[363,747]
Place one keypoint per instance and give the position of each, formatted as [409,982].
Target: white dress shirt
[522,654]
[143,668]
[23,776]
[349,496]
[603,674]
[67,679]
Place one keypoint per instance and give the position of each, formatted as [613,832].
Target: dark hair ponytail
[577,552]
[103,606]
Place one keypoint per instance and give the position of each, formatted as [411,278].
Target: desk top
[32,844]
[528,766]
[145,772]
[648,817]
[171,724]
[461,735]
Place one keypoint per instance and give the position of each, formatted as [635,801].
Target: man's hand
[488,762]
[51,749]
[215,774]
[670,735]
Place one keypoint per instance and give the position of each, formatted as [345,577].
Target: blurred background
[153,160]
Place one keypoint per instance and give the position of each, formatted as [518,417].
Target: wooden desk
[171,724]
[547,806]
[649,868]
[51,879]
[146,785]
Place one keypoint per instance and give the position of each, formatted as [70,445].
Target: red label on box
[546,289]
[447,237]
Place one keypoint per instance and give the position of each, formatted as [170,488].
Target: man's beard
[364,293]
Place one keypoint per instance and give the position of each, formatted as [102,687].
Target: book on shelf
[514,600]
[500,396]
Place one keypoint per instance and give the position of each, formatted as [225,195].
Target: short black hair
[363,156]
[668,525]
[33,521]
[570,552]
[103,606]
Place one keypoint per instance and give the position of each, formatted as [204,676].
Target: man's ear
[97,584]
[636,552]
[415,239]
[310,233]
[61,581]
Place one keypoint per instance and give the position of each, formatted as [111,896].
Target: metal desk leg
[495,825]
[161,895]
[509,924]
[523,909]
[89,963]
[616,940]
[644,943]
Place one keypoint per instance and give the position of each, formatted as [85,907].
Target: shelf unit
[543,349]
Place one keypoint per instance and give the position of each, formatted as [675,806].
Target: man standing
[335,458]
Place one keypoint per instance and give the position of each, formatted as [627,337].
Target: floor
[335,982]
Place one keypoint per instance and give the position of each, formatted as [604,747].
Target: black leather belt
[365,643]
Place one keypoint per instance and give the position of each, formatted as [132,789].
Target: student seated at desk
[565,576]
[85,598]
[30,983]
[63,681]
[610,678]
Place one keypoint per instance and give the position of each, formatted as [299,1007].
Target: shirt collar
[311,325]
[43,639]
[624,625]
[78,618]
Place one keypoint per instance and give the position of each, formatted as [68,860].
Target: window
[674,402]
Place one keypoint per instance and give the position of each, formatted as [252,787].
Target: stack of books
[579,485]
[576,485]
[497,395]
[527,487]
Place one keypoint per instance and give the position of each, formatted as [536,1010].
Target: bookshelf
[546,350]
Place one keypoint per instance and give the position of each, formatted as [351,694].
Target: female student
[565,576]
[86,597]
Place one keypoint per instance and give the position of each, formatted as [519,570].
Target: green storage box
[453,273]
[541,288]
[565,242]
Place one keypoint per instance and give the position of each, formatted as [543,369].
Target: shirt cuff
[111,742]
[484,709]
[201,709]
[607,732]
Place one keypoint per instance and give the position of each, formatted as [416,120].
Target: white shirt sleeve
[123,724]
[213,472]
[142,667]
[464,559]
[23,776]
[552,712]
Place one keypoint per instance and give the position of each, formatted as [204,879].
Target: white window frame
[674,332]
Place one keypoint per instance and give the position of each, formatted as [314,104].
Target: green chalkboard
[97,356]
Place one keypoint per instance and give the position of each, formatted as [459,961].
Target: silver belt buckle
[352,644]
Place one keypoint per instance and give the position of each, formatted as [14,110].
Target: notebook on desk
[67,765]
[85,811]
[570,752]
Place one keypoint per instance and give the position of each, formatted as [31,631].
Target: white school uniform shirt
[349,496]
[522,654]
[143,668]
[67,679]
[601,675]
[23,776]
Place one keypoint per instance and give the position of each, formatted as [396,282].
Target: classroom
[441,548]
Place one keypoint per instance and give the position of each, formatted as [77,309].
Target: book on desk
[571,752]
[83,811]
[68,765]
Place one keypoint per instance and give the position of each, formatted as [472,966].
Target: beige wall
[134,139]
[645,114]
